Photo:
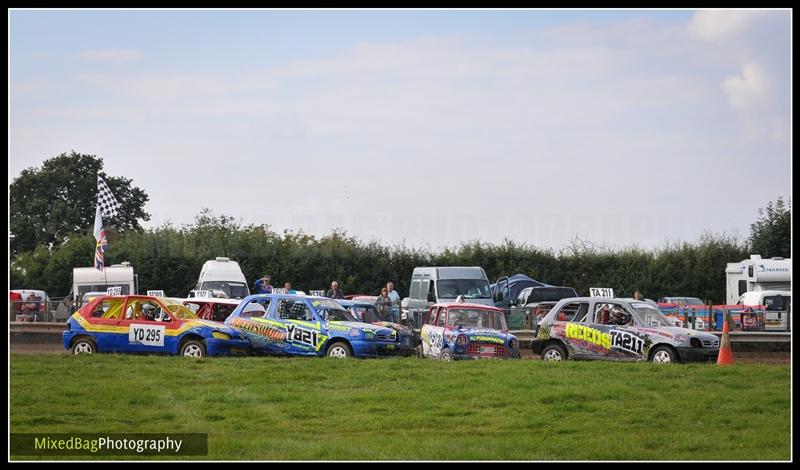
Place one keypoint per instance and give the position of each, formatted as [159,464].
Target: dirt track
[764,357]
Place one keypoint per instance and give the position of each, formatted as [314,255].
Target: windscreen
[469,288]
[476,318]
[230,289]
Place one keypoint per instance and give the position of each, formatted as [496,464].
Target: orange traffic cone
[725,356]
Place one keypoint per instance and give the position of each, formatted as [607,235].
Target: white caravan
[757,274]
[86,280]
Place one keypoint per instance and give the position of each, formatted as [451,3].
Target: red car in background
[214,309]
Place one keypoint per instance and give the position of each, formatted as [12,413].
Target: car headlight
[221,335]
[461,339]
[514,344]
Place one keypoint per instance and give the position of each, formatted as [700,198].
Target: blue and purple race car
[299,325]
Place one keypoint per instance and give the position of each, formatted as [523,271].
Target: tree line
[51,234]
[170,258]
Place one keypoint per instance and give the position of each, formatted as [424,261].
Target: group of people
[387,304]
[27,309]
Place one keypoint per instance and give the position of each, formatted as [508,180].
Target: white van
[224,278]
[777,307]
[85,280]
[431,285]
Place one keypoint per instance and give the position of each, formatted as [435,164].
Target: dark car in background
[365,311]
[533,303]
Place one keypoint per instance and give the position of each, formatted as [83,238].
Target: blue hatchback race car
[298,325]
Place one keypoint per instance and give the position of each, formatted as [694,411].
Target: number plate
[148,335]
[486,350]
[604,292]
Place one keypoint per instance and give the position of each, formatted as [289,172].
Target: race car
[617,329]
[364,311]
[459,330]
[299,325]
[147,324]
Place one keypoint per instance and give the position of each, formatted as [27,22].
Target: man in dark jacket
[334,292]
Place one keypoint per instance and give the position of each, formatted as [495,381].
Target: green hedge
[170,258]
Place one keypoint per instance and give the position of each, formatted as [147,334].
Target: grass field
[408,409]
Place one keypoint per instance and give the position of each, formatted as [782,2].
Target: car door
[433,332]
[620,342]
[104,324]
[571,323]
[143,333]
[303,329]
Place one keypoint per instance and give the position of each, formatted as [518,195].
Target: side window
[441,317]
[111,308]
[221,312]
[742,287]
[503,294]
[145,310]
[370,315]
[431,320]
[415,289]
[424,287]
[601,313]
[572,311]
[291,309]
[253,309]
[583,313]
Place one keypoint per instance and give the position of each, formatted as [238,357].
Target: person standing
[262,285]
[395,298]
[383,305]
[334,292]
[637,295]
[287,287]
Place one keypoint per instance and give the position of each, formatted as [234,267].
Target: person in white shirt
[395,298]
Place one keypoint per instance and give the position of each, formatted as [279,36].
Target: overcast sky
[425,128]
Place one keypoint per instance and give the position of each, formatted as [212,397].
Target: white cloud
[721,25]
[110,55]
[748,89]
[757,90]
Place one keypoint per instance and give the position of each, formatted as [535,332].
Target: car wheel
[663,355]
[193,348]
[83,346]
[554,353]
[445,355]
[339,350]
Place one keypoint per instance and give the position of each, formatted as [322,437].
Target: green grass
[408,409]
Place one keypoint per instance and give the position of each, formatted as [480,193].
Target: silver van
[430,285]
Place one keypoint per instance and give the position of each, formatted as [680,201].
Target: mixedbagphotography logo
[109,444]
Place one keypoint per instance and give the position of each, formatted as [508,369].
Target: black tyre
[554,352]
[193,348]
[83,346]
[663,355]
[445,355]
[339,350]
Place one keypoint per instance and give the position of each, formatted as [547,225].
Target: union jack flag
[106,205]
[101,245]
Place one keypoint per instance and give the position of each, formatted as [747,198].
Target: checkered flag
[106,201]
